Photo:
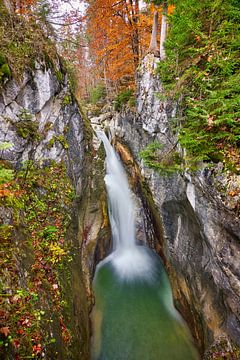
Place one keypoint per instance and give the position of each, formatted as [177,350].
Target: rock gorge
[182,217]
[193,227]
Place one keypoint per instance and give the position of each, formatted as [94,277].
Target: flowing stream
[134,317]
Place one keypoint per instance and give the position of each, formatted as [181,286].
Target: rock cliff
[200,239]
[53,209]
[55,224]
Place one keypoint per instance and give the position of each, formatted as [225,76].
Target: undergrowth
[33,251]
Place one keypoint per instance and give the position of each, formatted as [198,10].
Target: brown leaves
[5,331]
[210,120]
[232,193]
[5,190]
[37,349]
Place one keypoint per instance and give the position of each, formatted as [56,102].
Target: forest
[162,77]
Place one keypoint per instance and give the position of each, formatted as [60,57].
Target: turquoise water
[134,318]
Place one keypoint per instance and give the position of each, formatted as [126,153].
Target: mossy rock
[63,141]
[67,100]
[26,127]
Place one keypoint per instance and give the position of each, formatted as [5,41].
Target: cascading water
[134,317]
[129,260]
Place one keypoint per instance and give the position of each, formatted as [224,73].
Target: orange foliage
[22,6]
[5,192]
[118,34]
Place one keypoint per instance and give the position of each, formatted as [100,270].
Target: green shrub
[123,98]
[162,161]
[97,94]
[26,127]
[5,71]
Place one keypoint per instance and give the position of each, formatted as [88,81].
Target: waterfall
[121,209]
[134,317]
[129,259]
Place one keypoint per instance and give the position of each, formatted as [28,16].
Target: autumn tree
[21,6]
[117,32]
[113,33]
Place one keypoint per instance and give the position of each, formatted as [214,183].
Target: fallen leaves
[5,331]
[37,349]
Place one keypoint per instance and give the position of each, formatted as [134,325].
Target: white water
[129,259]
[134,317]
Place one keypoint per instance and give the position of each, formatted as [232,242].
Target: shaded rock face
[201,236]
[41,122]
[39,117]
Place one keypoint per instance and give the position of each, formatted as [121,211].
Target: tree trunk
[153,48]
[133,13]
[163,30]
[105,79]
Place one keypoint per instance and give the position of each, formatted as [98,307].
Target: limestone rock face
[201,235]
[41,121]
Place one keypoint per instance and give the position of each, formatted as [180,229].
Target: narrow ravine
[134,317]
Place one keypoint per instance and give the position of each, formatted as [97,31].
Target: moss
[66,129]
[51,143]
[6,175]
[59,75]
[48,126]
[63,141]
[67,100]
[28,130]
[26,127]
[59,138]
[2,59]
[5,71]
